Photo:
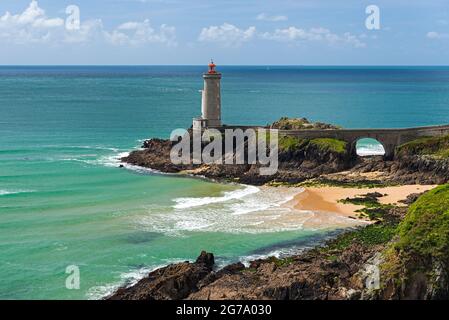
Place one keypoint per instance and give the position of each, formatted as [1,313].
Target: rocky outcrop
[312,275]
[420,169]
[402,170]
[300,124]
[174,282]
[305,162]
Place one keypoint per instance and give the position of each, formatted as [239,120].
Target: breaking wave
[184,203]
[247,209]
[370,150]
[4,192]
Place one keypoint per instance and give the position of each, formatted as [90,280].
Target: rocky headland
[408,245]
[326,160]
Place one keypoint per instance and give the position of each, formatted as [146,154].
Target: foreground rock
[309,276]
[173,282]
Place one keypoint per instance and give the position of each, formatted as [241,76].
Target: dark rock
[295,166]
[206,258]
[374,195]
[173,282]
[411,198]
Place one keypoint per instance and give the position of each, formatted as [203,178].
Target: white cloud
[226,34]
[138,33]
[275,18]
[33,26]
[89,31]
[436,35]
[293,34]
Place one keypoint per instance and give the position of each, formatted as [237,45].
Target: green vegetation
[437,147]
[422,245]
[281,262]
[374,234]
[378,213]
[372,208]
[369,202]
[290,143]
[329,144]
[425,230]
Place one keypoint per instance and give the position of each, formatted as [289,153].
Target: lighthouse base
[200,123]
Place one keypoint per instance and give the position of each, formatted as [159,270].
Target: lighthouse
[210,100]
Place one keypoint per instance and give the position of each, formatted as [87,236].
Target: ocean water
[64,201]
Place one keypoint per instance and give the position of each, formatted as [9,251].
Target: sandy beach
[324,201]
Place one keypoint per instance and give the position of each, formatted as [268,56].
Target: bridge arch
[369,147]
[387,144]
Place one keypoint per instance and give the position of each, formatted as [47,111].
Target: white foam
[4,192]
[370,150]
[114,161]
[245,210]
[110,160]
[184,203]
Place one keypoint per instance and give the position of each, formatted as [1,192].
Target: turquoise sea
[64,201]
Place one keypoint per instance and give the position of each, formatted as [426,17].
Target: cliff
[416,264]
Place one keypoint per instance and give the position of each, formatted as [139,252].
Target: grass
[422,244]
[437,147]
[330,144]
[290,143]
[374,234]
[425,230]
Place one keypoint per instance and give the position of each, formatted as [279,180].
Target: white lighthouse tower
[211,100]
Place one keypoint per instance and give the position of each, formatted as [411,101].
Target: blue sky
[299,32]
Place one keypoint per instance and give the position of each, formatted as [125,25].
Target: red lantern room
[212,67]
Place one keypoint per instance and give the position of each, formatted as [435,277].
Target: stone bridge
[389,138]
